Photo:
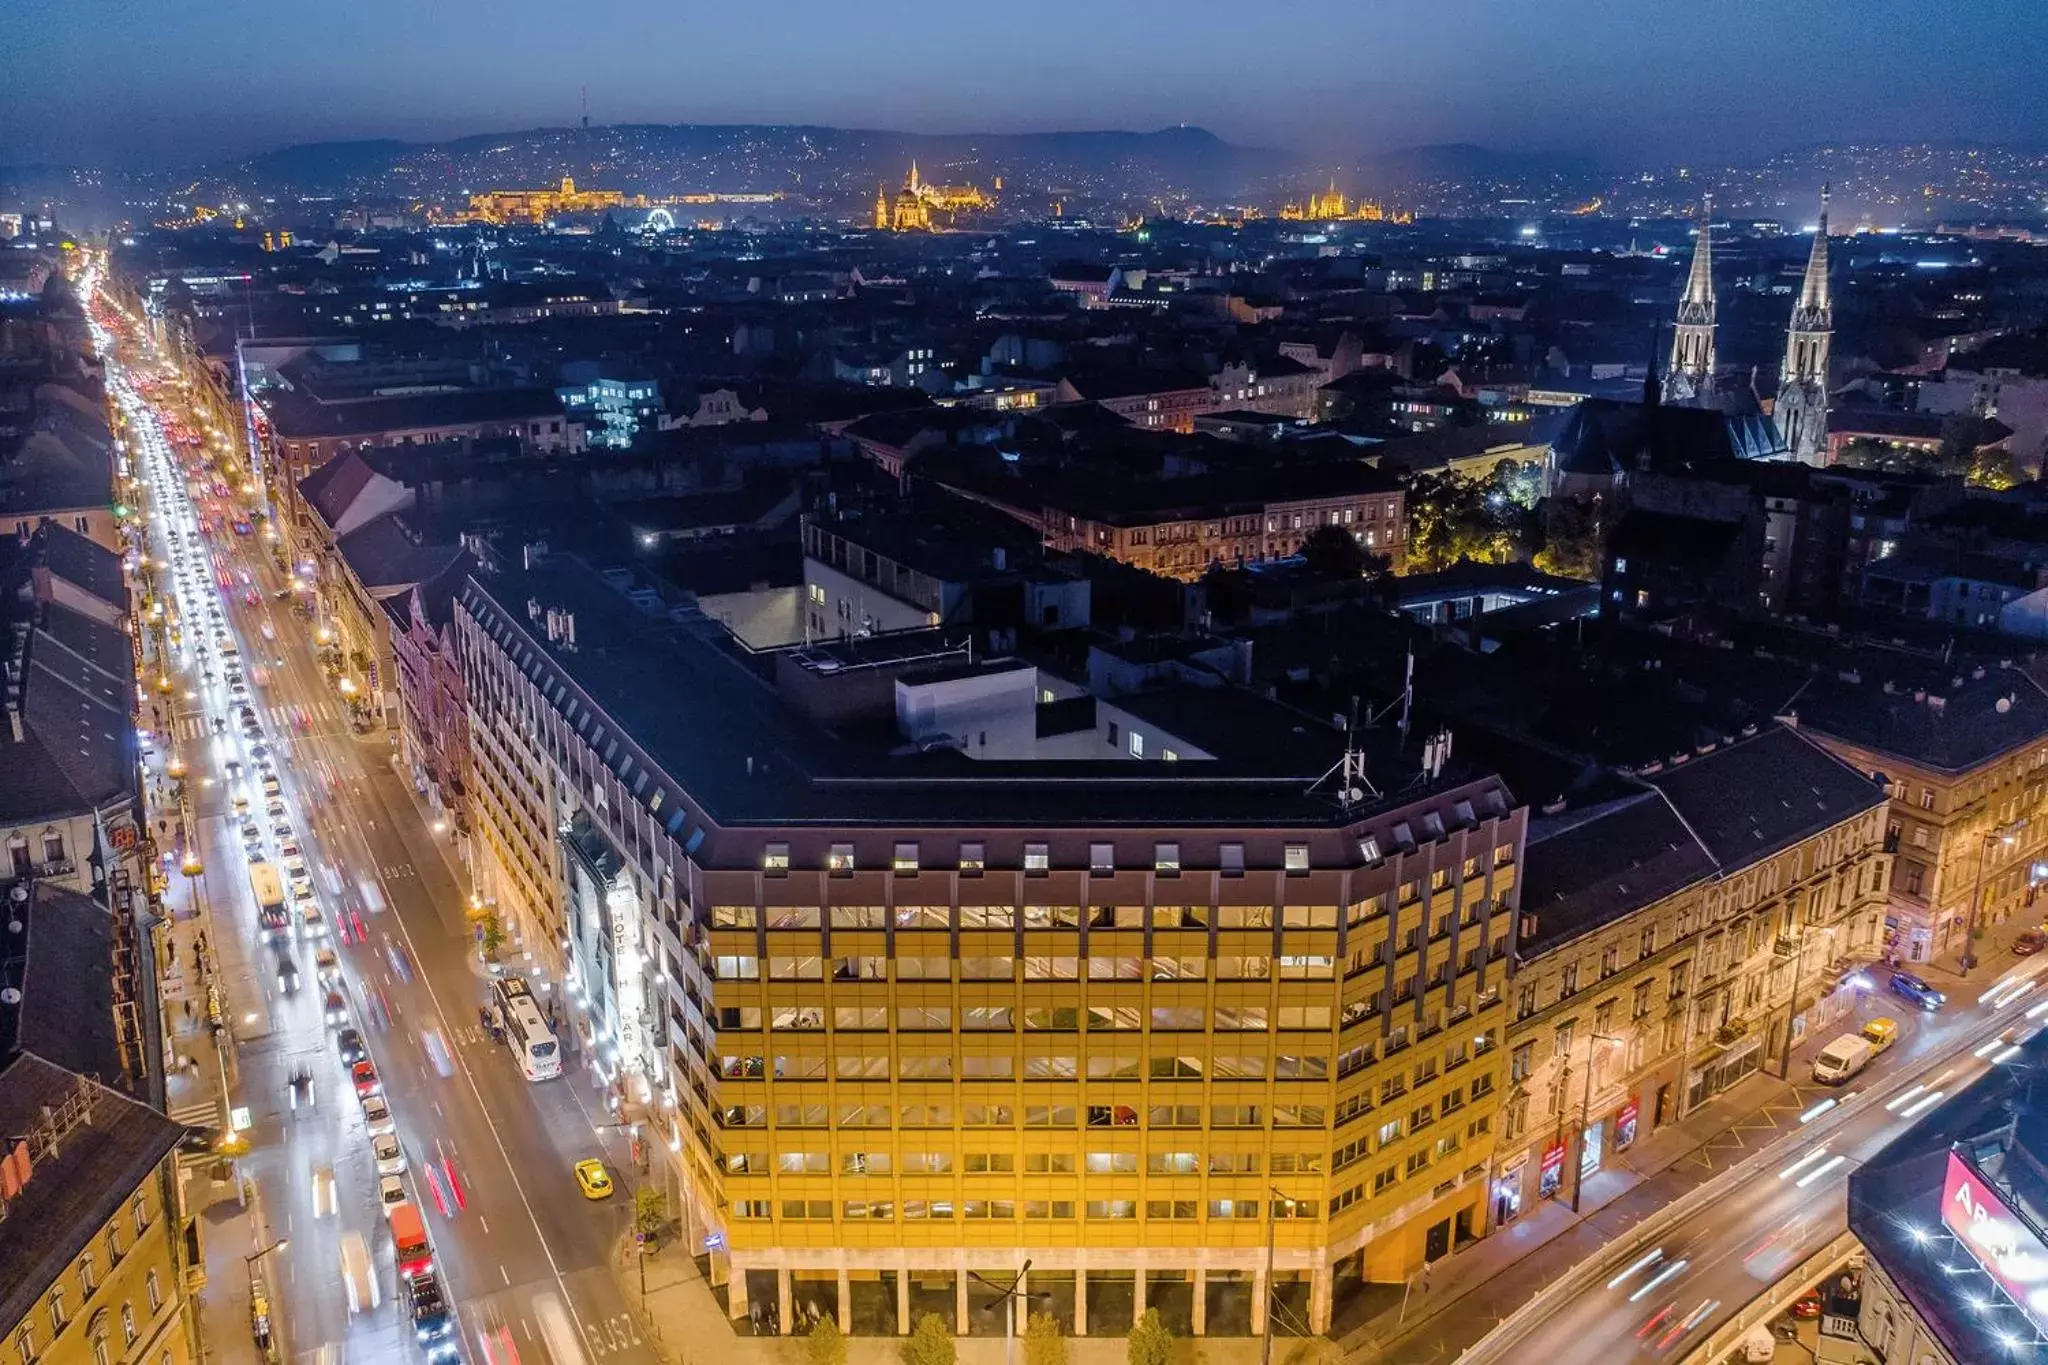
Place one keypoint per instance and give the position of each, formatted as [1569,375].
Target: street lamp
[1272,1215]
[1990,836]
[1007,1301]
[1792,1003]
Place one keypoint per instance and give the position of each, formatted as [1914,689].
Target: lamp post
[1272,1212]
[1990,836]
[1792,1004]
[1007,1300]
[259,1310]
[1585,1111]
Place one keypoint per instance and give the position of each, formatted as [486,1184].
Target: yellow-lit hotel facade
[1123,992]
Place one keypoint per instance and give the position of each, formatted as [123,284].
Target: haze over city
[137,85]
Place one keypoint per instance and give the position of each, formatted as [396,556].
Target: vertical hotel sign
[2010,1251]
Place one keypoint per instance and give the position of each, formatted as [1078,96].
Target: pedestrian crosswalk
[196,1113]
[275,719]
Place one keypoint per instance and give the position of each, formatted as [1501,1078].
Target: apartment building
[997,968]
[92,1246]
[1672,939]
[1961,748]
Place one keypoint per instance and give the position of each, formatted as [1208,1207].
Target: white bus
[526,1029]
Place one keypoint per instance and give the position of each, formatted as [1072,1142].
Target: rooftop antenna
[586,108]
[1353,788]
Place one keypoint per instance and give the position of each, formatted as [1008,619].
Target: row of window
[1033,1163]
[970,917]
[1035,1116]
[915,1210]
[939,1066]
[1036,1019]
[1229,967]
[973,858]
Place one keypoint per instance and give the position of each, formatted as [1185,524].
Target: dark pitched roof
[74,1189]
[1669,537]
[1904,426]
[84,563]
[389,554]
[1605,864]
[77,749]
[330,489]
[62,963]
[1605,436]
[1707,817]
[1756,796]
[1926,712]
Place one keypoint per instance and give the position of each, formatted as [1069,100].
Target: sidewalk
[198,1010]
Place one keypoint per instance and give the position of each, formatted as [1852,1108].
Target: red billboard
[2010,1251]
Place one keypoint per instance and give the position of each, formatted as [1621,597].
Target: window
[971,860]
[1296,859]
[88,1273]
[905,859]
[1101,858]
[128,1324]
[1230,858]
[1037,858]
[775,859]
[839,860]
[1369,851]
[1166,859]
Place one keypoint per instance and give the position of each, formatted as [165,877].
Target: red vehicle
[409,1237]
[2030,942]
[1807,1305]
[365,1075]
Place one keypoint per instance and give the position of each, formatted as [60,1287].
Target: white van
[357,1274]
[1843,1058]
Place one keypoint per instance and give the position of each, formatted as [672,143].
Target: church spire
[1802,407]
[1689,378]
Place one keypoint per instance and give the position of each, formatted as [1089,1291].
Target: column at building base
[1080,1302]
[903,1301]
[1319,1287]
[845,1301]
[1262,1293]
[736,1289]
[786,1318]
[1199,1308]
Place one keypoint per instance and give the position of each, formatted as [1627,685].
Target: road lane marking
[504,1275]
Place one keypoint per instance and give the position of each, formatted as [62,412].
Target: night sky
[1629,81]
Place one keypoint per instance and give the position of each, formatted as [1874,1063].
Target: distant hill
[741,158]
[1463,163]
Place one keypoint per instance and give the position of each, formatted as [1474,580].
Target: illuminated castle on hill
[921,207]
[1331,206]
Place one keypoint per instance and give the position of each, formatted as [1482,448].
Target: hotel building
[916,965]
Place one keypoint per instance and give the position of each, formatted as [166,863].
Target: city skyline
[215,84]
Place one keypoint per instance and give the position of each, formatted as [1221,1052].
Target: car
[282,829]
[1912,988]
[1807,1305]
[274,808]
[287,851]
[311,923]
[349,1043]
[299,1089]
[287,974]
[294,864]
[593,1179]
[334,1008]
[390,1154]
[2030,942]
[1881,1033]
[390,1192]
[377,1115]
[327,966]
[364,1074]
[251,835]
[271,787]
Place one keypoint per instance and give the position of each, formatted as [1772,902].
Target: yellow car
[594,1180]
[1881,1033]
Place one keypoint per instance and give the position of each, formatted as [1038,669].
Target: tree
[1149,1342]
[650,1212]
[494,934]
[1333,552]
[1044,1342]
[825,1344]
[1571,538]
[929,1343]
